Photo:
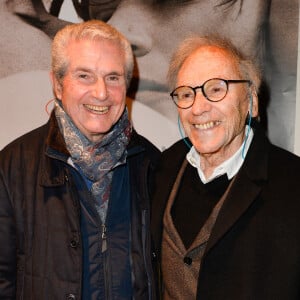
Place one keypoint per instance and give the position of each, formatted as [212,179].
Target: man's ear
[255,106]
[56,86]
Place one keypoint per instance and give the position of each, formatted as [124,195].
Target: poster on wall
[266,30]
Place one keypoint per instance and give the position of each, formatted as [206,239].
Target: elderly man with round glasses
[226,210]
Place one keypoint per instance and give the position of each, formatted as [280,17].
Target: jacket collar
[55,141]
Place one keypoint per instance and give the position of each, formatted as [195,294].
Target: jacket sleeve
[8,247]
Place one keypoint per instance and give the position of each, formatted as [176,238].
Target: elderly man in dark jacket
[74,193]
[226,212]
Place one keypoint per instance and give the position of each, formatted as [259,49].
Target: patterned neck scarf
[96,160]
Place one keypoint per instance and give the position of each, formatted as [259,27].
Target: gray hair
[248,69]
[91,30]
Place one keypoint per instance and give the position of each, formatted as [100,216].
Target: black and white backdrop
[266,29]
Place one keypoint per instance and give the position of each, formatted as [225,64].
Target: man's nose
[132,19]
[100,89]
[201,104]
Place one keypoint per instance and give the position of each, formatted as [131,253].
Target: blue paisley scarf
[96,160]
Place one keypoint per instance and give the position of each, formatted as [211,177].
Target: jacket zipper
[103,237]
[105,262]
[146,259]
[145,235]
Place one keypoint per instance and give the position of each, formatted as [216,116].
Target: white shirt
[230,166]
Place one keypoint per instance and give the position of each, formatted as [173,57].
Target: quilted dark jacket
[40,238]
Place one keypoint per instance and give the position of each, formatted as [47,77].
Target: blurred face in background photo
[266,30]
[155,28]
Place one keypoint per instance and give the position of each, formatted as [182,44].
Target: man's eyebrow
[83,69]
[103,73]
[116,73]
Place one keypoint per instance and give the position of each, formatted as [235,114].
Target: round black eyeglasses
[213,90]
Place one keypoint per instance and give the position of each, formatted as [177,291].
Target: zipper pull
[103,236]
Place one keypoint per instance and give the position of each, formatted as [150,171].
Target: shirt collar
[230,166]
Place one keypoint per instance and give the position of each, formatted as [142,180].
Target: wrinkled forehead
[213,53]
[210,55]
[210,62]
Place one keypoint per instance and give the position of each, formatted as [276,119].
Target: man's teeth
[96,108]
[206,125]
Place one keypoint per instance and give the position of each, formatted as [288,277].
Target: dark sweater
[195,202]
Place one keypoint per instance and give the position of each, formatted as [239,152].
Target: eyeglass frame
[194,89]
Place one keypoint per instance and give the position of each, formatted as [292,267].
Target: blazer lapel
[248,184]
[243,192]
